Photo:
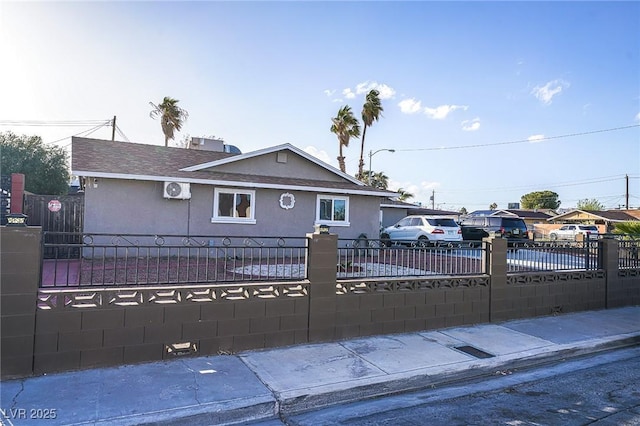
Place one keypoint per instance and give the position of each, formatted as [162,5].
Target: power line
[122,134]
[52,123]
[521,140]
[88,132]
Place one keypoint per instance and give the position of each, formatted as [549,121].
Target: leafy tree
[463,211]
[44,167]
[345,126]
[379,180]
[371,111]
[404,195]
[172,117]
[590,204]
[493,206]
[540,200]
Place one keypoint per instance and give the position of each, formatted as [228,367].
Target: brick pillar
[322,274]
[20,276]
[610,263]
[496,267]
[17,193]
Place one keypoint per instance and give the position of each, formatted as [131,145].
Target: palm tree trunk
[361,164]
[341,159]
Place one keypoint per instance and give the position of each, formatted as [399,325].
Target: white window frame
[235,191]
[333,198]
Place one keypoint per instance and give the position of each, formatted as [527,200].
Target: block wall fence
[53,330]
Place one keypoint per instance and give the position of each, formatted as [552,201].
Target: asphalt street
[596,390]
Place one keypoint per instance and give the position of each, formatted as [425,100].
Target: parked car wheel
[422,242]
[553,237]
[385,240]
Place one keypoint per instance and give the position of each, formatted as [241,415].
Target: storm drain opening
[475,352]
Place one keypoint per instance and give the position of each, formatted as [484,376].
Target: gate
[64,218]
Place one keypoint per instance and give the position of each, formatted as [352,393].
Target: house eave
[230,183]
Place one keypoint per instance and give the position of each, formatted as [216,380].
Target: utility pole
[626,178]
[432,198]
[113,129]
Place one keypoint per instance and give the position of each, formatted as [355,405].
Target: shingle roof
[608,215]
[95,157]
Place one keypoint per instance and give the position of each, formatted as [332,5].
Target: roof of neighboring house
[607,215]
[123,160]
[521,213]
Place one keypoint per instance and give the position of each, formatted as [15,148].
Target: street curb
[225,413]
[291,403]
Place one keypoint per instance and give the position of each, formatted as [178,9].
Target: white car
[422,231]
[569,232]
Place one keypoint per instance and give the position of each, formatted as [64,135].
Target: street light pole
[371,154]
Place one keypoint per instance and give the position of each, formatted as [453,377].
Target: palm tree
[379,180]
[404,195]
[345,126]
[172,117]
[371,111]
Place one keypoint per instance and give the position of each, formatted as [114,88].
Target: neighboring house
[279,191]
[605,220]
[391,211]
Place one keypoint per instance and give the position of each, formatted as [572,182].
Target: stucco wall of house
[391,216]
[128,206]
[269,165]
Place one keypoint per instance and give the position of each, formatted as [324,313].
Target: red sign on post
[54,205]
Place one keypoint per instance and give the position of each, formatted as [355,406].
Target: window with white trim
[233,205]
[332,210]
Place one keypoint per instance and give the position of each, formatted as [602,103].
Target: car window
[589,228]
[495,221]
[404,222]
[513,223]
[416,221]
[442,222]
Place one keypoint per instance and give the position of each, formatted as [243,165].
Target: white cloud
[386,92]
[410,106]
[347,93]
[638,116]
[546,93]
[321,155]
[329,92]
[441,112]
[471,125]
[536,138]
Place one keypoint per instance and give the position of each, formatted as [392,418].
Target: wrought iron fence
[553,256]
[364,258]
[86,259]
[628,252]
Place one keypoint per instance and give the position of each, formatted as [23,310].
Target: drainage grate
[474,351]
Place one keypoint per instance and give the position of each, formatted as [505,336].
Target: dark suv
[477,227]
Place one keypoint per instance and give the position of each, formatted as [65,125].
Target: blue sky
[476,94]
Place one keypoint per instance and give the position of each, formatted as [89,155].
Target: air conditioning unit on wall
[177,190]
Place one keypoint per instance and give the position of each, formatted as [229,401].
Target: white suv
[569,232]
[422,231]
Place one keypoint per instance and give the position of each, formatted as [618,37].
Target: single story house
[208,189]
[605,220]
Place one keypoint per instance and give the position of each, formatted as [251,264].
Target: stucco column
[20,254]
[322,273]
[609,262]
[496,267]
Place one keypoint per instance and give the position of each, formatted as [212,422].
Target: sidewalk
[254,385]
